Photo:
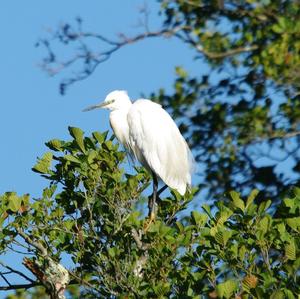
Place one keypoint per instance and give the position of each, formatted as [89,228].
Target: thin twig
[285,136]
[275,136]
[35,284]
[29,241]
[92,60]
[5,279]
[80,280]
[20,286]
[16,271]
[187,38]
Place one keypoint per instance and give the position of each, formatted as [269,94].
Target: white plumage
[150,135]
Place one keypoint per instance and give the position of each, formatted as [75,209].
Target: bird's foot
[149,221]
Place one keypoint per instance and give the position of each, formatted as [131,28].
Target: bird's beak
[95,107]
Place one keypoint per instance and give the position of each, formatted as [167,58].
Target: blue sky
[32,111]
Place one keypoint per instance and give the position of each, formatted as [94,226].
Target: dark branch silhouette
[91,59]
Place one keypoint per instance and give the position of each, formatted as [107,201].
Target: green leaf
[72,158]
[108,145]
[242,252]
[179,226]
[289,202]
[77,134]
[294,223]
[206,208]
[290,250]
[277,295]
[276,28]
[25,200]
[187,238]
[264,224]
[264,206]
[292,203]
[43,164]
[237,201]
[100,137]
[91,156]
[289,294]
[223,236]
[133,218]
[198,218]
[112,252]
[226,289]
[223,215]
[14,202]
[251,197]
[180,72]
[48,192]
[55,144]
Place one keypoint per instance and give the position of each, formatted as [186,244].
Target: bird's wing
[159,145]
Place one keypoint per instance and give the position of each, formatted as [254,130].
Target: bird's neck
[119,124]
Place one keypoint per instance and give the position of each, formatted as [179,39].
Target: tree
[94,212]
[245,107]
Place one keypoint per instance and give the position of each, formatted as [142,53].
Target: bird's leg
[152,202]
[157,199]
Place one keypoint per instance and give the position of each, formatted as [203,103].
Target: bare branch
[145,13]
[5,279]
[138,241]
[20,286]
[285,136]
[275,137]
[78,279]
[52,275]
[16,272]
[35,244]
[232,52]
[98,36]
[138,268]
[187,38]
[37,283]
[92,59]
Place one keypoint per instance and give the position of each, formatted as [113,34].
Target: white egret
[150,135]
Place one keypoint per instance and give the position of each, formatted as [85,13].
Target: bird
[150,135]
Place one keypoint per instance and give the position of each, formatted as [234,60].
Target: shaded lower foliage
[238,144]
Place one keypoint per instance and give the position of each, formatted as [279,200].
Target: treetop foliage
[93,212]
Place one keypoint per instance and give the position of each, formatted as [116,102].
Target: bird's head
[115,100]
